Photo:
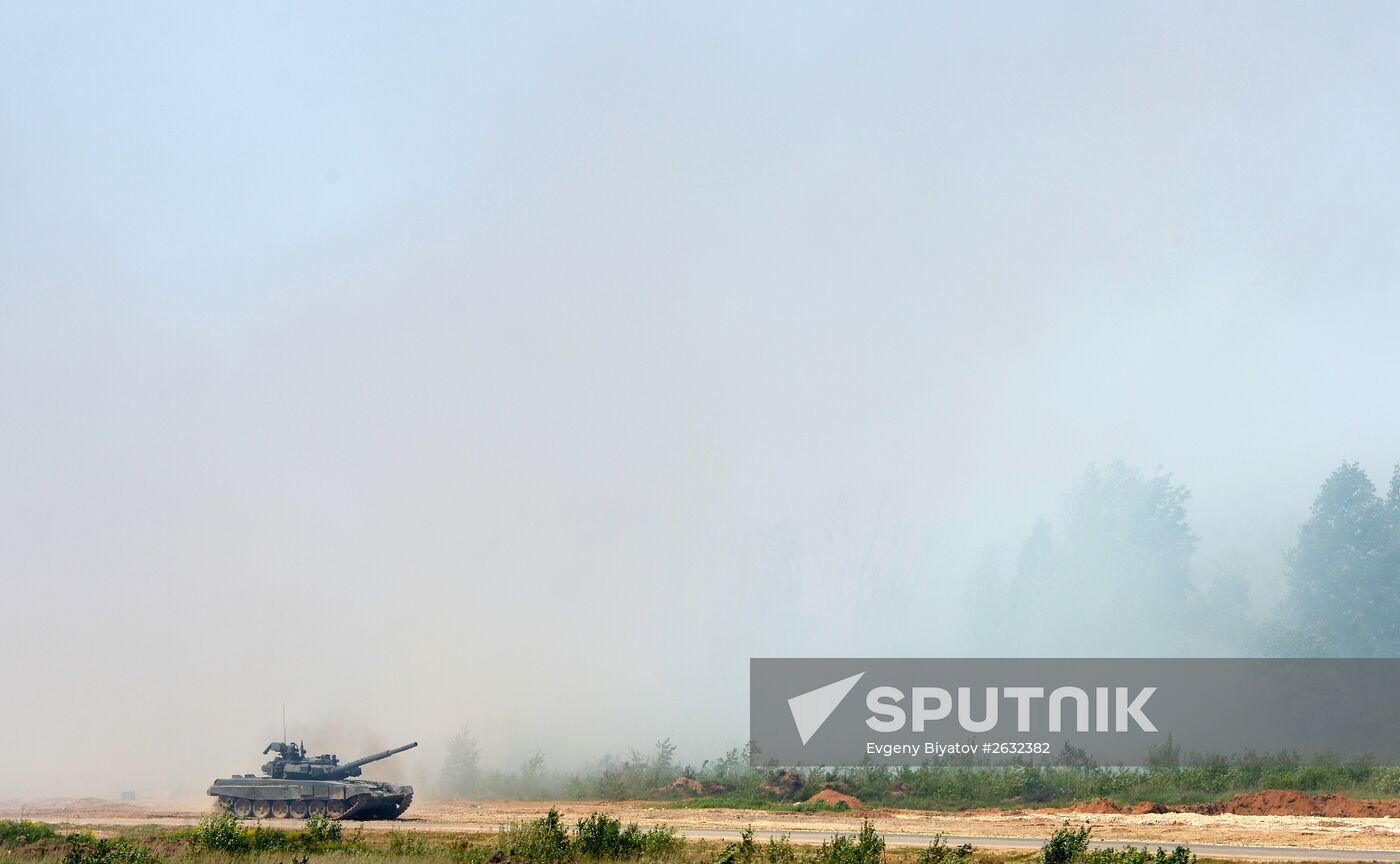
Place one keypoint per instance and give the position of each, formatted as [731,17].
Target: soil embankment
[1270,802]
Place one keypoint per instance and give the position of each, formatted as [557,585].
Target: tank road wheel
[262,809]
[316,808]
[298,809]
[242,808]
[280,809]
[335,809]
[225,802]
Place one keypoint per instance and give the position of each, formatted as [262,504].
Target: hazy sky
[536,365]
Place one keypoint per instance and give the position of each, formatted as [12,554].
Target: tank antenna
[284,721]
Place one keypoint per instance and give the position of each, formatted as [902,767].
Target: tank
[294,786]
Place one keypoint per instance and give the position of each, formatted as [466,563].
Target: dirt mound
[784,784]
[832,797]
[1287,802]
[1098,805]
[688,787]
[1270,802]
[685,786]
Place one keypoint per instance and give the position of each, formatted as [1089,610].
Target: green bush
[262,839]
[467,852]
[86,849]
[403,843]
[743,852]
[601,836]
[1134,855]
[1066,845]
[1179,855]
[662,842]
[322,831]
[1386,780]
[939,852]
[222,832]
[867,847]
[780,851]
[22,833]
[1071,846]
[539,841]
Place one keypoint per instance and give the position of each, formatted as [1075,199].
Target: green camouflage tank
[295,786]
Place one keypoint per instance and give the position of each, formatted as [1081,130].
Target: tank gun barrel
[354,766]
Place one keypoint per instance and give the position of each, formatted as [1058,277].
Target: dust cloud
[534,367]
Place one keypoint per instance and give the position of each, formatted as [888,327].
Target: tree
[1220,614]
[1344,572]
[663,763]
[986,618]
[1031,585]
[1117,576]
[461,769]
[532,778]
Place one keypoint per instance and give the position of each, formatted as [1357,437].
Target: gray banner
[904,711]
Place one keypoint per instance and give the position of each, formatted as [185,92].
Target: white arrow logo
[810,709]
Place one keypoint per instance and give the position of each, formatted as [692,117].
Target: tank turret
[292,763]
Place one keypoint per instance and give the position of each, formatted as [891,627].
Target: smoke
[534,369]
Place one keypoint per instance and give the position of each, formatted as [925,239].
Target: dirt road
[1265,836]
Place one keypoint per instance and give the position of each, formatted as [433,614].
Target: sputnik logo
[811,709]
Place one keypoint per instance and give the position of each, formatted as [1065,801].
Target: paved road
[1278,853]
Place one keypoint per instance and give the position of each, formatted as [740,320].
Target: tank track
[355,807]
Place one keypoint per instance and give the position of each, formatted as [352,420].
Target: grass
[546,840]
[38,839]
[405,844]
[87,849]
[22,833]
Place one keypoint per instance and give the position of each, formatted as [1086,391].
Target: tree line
[1114,576]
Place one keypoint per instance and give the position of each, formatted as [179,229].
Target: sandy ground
[457,815]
